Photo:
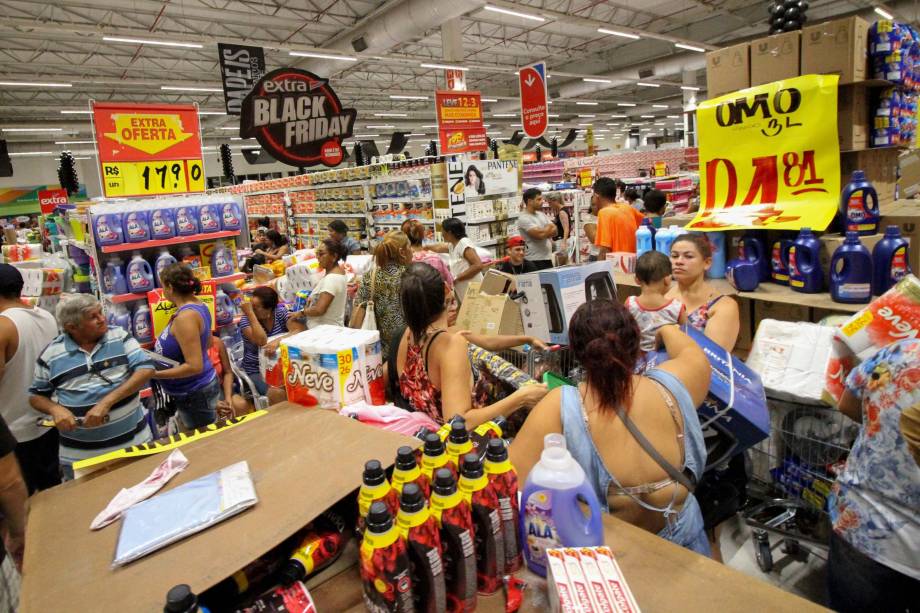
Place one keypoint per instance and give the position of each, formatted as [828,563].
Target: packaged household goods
[892,317]
[292,599]
[487,525]
[423,540]
[374,488]
[791,358]
[384,564]
[504,482]
[458,550]
[406,470]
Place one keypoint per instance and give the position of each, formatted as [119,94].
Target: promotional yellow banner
[769,157]
[163,310]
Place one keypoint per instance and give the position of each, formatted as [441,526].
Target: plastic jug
[223,309]
[221,260]
[645,238]
[855,206]
[208,218]
[113,277]
[852,283]
[551,514]
[121,318]
[717,243]
[163,260]
[779,261]
[142,323]
[136,226]
[754,248]
[890,261]
[805,274]
[230,217]
[663,239]
[140,275]
[186,220]
[742,274]
[162,223]
[108,230]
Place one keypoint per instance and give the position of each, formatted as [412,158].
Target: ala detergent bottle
[136,226]
[221,260]
[163,260]
[108,229]
[186,220]
[113,277]
[230,217]
[162,223]
[208,218]
[140,276]
[142,323]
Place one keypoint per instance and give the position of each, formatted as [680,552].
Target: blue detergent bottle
[221,260]
[108,229]
[805,274]
[852,283]
[122,318]
[163,260]
[779,261]
[223,309]
[113,277]
[140,275]
[645,240]
[663,239]
[859,205]
[136,226]
[208,218]
[162,223]
[186,220]
[230,217]
[550,512]
[890,260]
[142,323]
[754,248]
[717,243]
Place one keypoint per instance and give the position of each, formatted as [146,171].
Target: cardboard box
[830,243]
[837,47]
[569,287]
[774,58]
[880,166]
[909,182]
[489,314]
[534,313]
[853,122]
[906,215]
[728,70]
[778,310]
[496,282]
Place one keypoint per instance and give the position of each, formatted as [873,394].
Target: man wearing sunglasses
[88,380]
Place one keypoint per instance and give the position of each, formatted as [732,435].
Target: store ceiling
[63,42]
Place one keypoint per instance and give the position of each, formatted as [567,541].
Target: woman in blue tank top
[193,383]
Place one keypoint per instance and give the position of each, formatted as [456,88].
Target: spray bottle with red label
[384,564]
[420,530]
[487,525]
[406,470]
[457,546]
[504,482]
[374,487]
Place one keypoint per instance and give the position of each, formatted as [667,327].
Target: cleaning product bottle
[318,548]
[552,516]
[487,525]
[504,482]
[458,441]
[805,274]
[140,275]
[108,229]
[163,260]
[423,540]
[890,261]
[717,243]
[851,284]
[406,470]
[434,456]
[221,260]
[181,599]
[455,522]
[208,218]
[663,239]
[779,261]
[136,226]
[223,308]
[645,240]
[230,218]
[384,564]
[142,324]
[753,248]
[122,318]
[186,220]
[855,206]
[113,277]
[374,487]
[162,223]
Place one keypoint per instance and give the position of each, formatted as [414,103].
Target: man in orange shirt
[616,222]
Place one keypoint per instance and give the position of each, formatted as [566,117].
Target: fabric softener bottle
[455,522]
[384,564]
[423,542]
[487,525]
[504,482]
[435,456]
[406,470]
[374,487]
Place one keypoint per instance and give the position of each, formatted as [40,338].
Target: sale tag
[152,178]
[781,169]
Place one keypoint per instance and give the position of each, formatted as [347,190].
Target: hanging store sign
[297,118]
[455,79]
[470,179]
[148,149]
[241,67]
[460,122]
[782,170]
[534,99]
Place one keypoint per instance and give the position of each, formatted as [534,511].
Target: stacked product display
[894,50]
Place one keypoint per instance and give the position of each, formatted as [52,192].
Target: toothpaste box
[589,580]
[576,575]
[560,589]
[615,582]
[600,597]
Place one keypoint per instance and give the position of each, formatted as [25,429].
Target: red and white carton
[892,317]
[615,582]
[603,601]
[560,589]
[577,579]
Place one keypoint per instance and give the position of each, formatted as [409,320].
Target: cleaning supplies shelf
[176,240]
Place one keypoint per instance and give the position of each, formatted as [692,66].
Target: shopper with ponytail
[598,418]
[193,384]
[380,285]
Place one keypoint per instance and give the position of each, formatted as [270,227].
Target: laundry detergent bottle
[754,248]
[221,260]
[136,226]
[108,229]
[164,260]
[113,277]
[645,240]
[890,261]
[230,217]
[859,205]
[805,274]
[142,323]
[121,318]
[162,223]
[779,261]
[552,516]
[851,272]
[140,275]
[717,244]
[186,220]
[208,218]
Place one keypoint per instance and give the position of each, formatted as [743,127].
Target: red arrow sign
[534,113]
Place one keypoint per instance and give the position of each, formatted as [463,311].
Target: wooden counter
[661,575]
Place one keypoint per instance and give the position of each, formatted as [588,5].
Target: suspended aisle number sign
[148,149]
[782,168]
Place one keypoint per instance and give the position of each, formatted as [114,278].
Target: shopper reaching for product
[465,263]
[327,300]
[278,248]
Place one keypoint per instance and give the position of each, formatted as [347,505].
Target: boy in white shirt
[651,309]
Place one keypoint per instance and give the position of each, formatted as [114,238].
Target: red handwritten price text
[799,174]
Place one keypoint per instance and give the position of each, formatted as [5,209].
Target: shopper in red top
[616,223]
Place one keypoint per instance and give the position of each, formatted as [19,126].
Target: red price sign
[460,122]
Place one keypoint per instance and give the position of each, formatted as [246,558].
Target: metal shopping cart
[793,472]
[557,359]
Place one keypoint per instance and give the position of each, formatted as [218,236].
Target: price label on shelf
[152,178]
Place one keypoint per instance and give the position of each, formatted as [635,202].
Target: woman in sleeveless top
[433,364]
[193,383]
[598,416]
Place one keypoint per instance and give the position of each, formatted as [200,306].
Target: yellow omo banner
[769,156]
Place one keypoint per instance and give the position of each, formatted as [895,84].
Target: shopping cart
[557,359]
[793,472]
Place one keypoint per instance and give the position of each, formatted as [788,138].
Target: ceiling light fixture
[640,84]
[74,142]
[591,80]
[647,116]
[391,115]
[689,88]
[689,47]
[444,66]
[403,97]
[367,135]
[33,129]
[673,116]
[625,104]
[211,113]
[587,116]
[228,128]
[504,114]
[586,124]
[24,153]
[384,127]
[587,103]
[416,134]
[496,9]
[660,106]
[323,56]
[75,112]
[488,99]
[175,88]
[146,41]
[882,12]
[34,84]
[552,115]
[616,33]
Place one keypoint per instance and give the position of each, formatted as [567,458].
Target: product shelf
[492,218]
[329,215]
[176,240]
[398,200]
[398,178]
[131,297]
[427,222]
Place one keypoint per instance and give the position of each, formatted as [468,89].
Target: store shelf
[229,278]
[398,200]
[316,186]
[177,240]
[427,222]
[119,298]
[492,218]
[329,215]
[332,201]
[491,242]
[398,178]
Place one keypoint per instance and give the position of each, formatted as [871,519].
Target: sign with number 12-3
[148,149]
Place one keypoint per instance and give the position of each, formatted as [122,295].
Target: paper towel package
[892,317]
[332,367]
[303,276]
[791,359]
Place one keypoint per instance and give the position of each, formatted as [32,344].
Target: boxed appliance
[533,305]
[728,69]
[791,359]
[569,287]
[774,58]
[489,313]
[836,47]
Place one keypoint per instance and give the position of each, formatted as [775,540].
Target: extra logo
[297,118]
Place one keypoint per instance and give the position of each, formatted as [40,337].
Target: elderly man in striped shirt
[88,380]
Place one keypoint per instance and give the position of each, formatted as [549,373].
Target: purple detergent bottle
[136,226]
[221,260]
[890,260]
[550,512]
[779,261]
[754,248]
[805,274]
[143,324]
[113,277]
[186,220]
[208,218]
[108,229]
[162,223]
[140,275]
[230,217]
[852,283]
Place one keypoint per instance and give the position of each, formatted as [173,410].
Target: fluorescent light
[626,104]
[588,116]
[884,14]
[75,112]
[86,158]
[689,47]
[615,33]
[619,116]
[552,114]
[444,66]
[504,115]
[431,125]
[34,84]
[641,84]
[366,136]
[211,113]
[24,153]
[647,116]
[586,124]
[586,103]
[147,41]
[229,128]
[383,127]
[33,129]
[74,142]
[416,134]
[615,125]
[402,97]
[516,125]
[689,88]
[588,80]
[493,133]
[673,116]
[486,125]
[484,99]
[390,115]
[496,9]
[323,56]
[172,88]
[660,106]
